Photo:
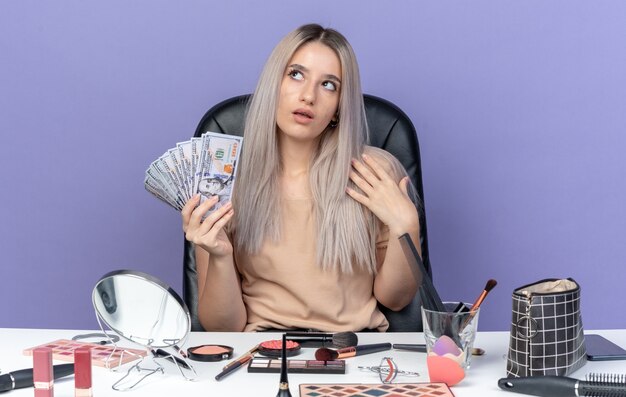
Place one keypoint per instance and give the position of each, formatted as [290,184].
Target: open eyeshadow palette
[267,365]
[378,390]
[101,355]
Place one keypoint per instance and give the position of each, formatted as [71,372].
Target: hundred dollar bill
[156,190]
[205,165]
[178,173]
[219,154]
[160,181]
[164,166]
[184,154]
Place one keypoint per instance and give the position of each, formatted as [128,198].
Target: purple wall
[520,108]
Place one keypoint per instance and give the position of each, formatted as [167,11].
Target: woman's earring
[334,122]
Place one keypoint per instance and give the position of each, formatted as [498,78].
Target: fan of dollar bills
[205,165]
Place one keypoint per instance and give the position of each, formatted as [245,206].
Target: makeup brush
[488,287]
[597,385]
[427,291]
[249,353]
[318,339]
[325,354]
[283,386]
[421,348]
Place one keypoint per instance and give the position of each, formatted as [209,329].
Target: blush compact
[210,352]
[273,348]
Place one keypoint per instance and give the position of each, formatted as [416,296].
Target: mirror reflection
[141,308]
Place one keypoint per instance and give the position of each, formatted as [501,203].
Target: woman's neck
[296,160]
[296,156]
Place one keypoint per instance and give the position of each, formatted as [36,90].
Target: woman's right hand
[208,233]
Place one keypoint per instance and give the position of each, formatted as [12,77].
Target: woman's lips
[303,116]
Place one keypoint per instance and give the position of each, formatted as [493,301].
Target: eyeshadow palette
[268,365]
[101,355]
[378,389]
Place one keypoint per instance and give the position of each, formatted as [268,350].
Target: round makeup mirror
[142,309]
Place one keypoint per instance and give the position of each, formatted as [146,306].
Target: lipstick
[82,370]
[43,379]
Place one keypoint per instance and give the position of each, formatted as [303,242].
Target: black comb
[594,385]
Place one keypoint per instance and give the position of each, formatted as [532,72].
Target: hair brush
[594,385]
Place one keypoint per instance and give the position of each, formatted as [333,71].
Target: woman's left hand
[388,200]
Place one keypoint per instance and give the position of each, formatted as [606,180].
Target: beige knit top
[283,287]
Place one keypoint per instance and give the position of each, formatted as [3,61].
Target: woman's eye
[296,75]
[329,85]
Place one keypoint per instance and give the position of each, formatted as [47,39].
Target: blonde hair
[346,230]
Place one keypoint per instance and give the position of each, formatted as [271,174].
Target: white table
[481,379]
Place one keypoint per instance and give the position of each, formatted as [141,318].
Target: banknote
[205,165]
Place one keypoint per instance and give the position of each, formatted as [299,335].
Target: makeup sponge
[444,369]
[445,345]
[444,361]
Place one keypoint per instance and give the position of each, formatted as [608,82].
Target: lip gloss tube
[43,380]
[82,372]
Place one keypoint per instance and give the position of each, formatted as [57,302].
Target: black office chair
[390,129]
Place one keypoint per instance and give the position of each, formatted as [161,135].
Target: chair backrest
[390,129]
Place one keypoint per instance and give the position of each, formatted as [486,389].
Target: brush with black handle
[596,385]
[421,348]
[24,377]
[427,291]
[325,354]
[319,339]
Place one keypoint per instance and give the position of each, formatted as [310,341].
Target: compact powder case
[210,352]
[273,348]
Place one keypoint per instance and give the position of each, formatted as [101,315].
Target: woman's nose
[308,94]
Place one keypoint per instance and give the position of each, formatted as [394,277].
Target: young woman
[310,240]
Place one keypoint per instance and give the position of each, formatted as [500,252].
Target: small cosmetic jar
[210,352]
[273,348]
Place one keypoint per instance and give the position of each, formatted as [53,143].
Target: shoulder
[386,160]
